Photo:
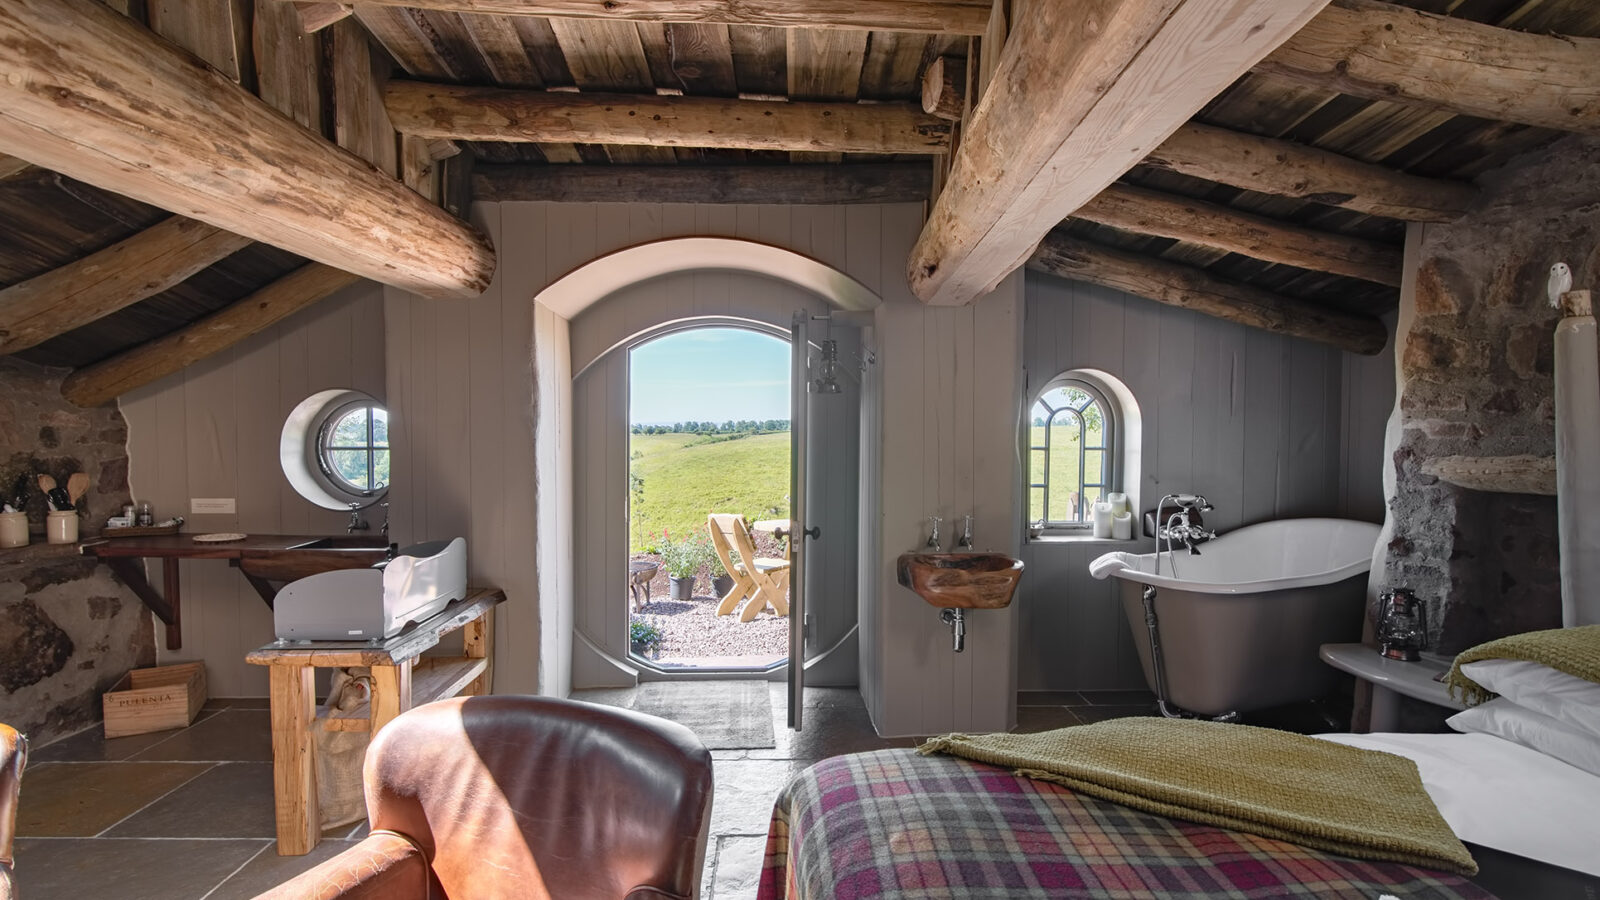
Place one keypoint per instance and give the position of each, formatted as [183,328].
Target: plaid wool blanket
[894,824]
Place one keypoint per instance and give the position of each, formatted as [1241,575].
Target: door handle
[814,532]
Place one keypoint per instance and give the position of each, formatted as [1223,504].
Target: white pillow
[1534,730]
[1540,688]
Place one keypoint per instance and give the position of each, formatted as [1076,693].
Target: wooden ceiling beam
[111,378]
[937,16]
[316,16]
[33,311]
[1187,287]
[1080,92]
[1144,211]
[97,97]
[794,184]
[1288,169]
[1381,51]
[10,165]
[499,114]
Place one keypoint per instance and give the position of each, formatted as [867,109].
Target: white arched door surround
[600,309]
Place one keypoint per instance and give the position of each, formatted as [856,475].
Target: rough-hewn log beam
[944,88]
[942,16]
[10,165]
[317,16]
[97,97]
[1500,474]
[1187,287]
[103,381]
[1385,52]
[1287,169]
[500,114]
[98,285]
[1213,225]
[1080,93]
[815,184]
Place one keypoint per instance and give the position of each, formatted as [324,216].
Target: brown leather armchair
[526,797]
[13,756]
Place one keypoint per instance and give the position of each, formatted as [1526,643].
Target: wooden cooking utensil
[77,486]
[47,483]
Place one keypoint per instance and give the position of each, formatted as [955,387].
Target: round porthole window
[335,449]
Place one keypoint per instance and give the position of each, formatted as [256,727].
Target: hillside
[685,477]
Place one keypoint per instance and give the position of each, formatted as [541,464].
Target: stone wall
[68,630]
[1475,371]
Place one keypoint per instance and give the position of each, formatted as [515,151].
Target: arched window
[1072,453]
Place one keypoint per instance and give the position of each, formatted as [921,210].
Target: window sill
[1079,539]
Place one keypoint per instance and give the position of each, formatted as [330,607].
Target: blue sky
[709,374]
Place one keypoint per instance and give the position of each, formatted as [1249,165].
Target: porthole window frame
[301,450]
[324,452]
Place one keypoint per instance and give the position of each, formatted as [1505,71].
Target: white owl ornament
[1560,282]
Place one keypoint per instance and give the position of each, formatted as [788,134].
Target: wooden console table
[401,679]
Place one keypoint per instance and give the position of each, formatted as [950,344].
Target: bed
[893,824]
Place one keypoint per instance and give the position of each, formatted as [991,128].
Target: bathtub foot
[1177,712]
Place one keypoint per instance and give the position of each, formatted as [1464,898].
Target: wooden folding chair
[764,580]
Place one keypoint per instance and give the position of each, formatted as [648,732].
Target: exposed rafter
[97,97]
[10,165]
[1080,92]
[104,381]
[941,16]
[500,114]
[1150,212]
[1385,52]
[1175,284]
[80,292]
[317,16]
[1288,169]
[793,184]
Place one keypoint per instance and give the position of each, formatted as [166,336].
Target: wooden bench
[401,679]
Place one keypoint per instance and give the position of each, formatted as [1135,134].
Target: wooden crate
[155,699]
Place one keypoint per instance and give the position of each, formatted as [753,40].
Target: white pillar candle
[1122,526]
[1102,519]
[1119,503]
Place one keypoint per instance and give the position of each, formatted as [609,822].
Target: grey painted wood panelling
[1264,426]
[212,430]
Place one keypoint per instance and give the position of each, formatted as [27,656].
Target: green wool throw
[1289,787]
[1575,651]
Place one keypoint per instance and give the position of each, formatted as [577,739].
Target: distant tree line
[743,426]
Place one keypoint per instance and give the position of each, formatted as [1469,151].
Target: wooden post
[391,693]
[477,642]
[944,88]
[294,762]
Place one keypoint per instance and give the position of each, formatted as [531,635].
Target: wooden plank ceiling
[47,220]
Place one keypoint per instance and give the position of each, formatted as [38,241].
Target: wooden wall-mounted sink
[961,580]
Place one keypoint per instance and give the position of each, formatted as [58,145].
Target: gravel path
[694,630]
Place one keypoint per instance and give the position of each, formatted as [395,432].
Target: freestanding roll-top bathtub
[1237,627]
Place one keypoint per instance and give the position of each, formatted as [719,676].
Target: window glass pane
[1036,466]
[1055,398]
[1066,480]
[380,427]
[1090,495]
[380,469]
[1075,398]
[350,430]
[1035,504]
[351,465]
[1094,462]
[1094,423]
[1041,415]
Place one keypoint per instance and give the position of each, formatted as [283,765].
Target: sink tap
[356,522]
[966,534]
[933,534]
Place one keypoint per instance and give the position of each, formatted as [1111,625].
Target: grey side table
[1391,679]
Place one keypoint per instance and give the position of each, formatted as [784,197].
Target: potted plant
[645,637]
[721,581]
[682,560]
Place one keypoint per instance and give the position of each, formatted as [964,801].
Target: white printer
[373,603]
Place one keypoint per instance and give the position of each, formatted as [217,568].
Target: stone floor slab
[231,800]
[127,868]
[84,799]
[229,735]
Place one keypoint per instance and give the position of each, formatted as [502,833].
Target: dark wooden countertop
[184,546]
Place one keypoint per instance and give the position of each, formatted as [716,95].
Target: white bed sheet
[1503,795]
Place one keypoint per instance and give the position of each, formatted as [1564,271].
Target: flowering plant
[683,558]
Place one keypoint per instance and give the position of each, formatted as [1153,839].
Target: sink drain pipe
[957,620]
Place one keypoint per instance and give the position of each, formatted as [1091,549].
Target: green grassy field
[1064,475]
[684,480]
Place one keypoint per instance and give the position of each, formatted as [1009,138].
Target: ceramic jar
[61,526]
[14,529]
